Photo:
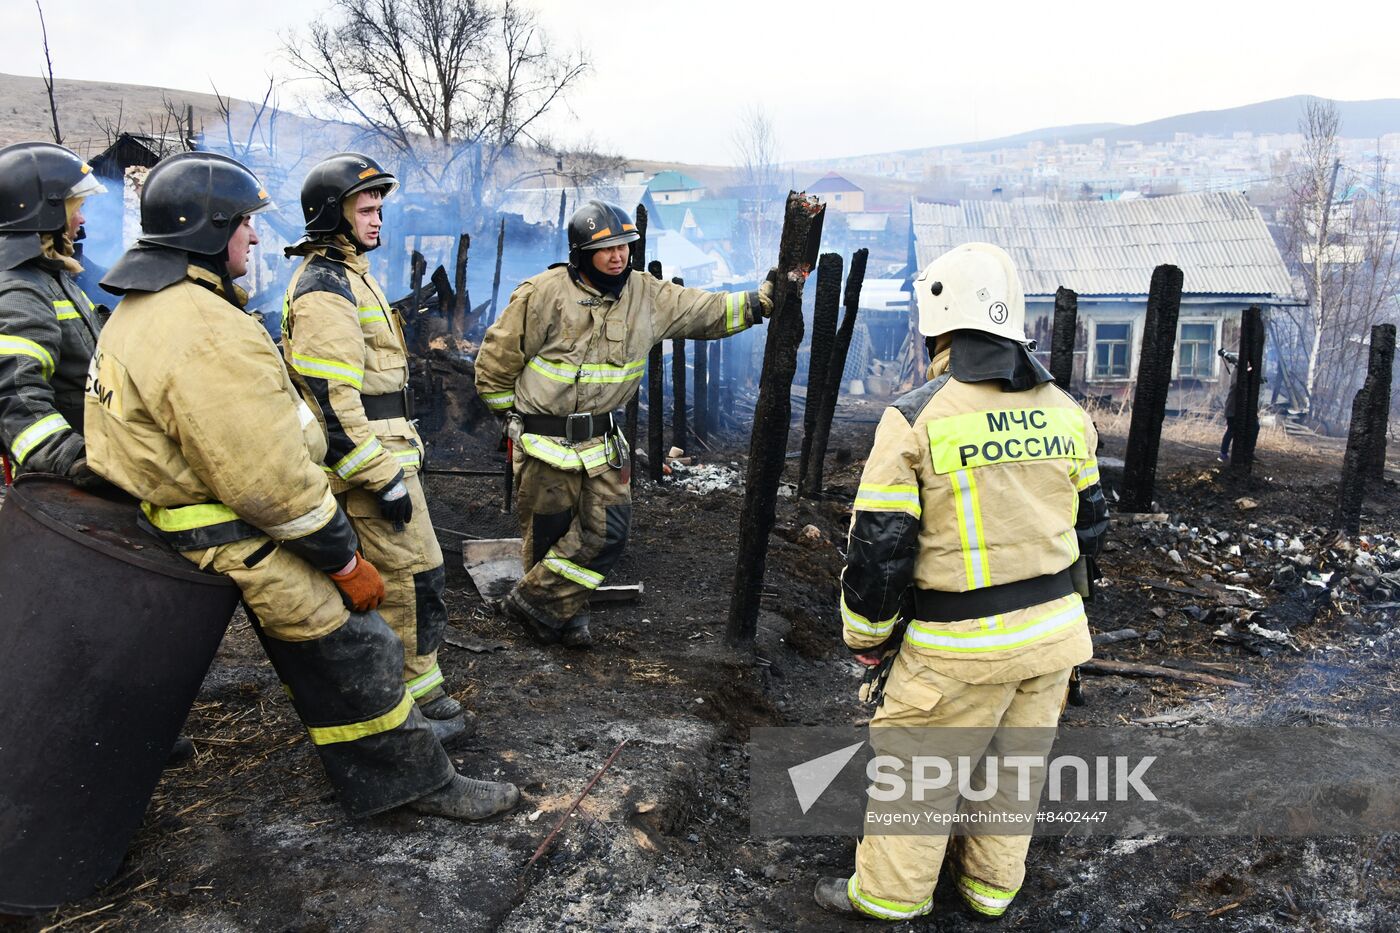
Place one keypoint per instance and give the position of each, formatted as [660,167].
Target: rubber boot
[465,798]
[830,894]
[519,613]
[576,634]
[180,752]
[448,731]
[441,706]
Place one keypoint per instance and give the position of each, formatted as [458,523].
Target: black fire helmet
[597,224]
[334,179]
[193,201]
[35,179]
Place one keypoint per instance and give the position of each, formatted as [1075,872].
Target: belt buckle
[583,418]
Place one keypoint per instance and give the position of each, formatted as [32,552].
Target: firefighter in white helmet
[980,493]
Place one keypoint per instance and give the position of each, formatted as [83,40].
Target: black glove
[82,476]
[395,504]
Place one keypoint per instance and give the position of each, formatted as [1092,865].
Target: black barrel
[105,637]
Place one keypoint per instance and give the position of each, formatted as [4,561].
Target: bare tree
[48,77]
[756,154]
[1346,252]
[453,87]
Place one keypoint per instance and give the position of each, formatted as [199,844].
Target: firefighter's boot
[442,706]
[576,633]
[518,612]
[830,894]
[465,798]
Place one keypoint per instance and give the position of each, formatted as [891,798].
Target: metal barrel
[105,638]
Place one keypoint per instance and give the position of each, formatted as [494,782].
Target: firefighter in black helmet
[48,326]
[568,351]
[190,409]
[345,346]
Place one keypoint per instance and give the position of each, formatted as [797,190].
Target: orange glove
[361,584]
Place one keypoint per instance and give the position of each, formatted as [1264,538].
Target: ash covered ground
[247,836]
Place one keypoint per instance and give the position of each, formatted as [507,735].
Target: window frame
[1127,344]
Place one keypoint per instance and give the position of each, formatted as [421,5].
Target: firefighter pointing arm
[567,352]
[980,492]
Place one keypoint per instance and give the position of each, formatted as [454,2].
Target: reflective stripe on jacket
[342,340]
[190,410]
[561,347]
[48,330]
[969,487]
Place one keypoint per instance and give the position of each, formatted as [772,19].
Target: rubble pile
[1260,580]
[704,478]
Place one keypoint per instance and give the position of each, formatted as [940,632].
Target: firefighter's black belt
[207,536]
[942,606]
[573,428]
[393,405]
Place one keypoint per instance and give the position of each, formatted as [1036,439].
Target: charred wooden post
[496,279]
[712,402]
[563,230]
[835,372]
[639,266]
[417,267]
[656,400]
[828,300]
[1154,377]
[1382,342]
[1062,337]
[801,238]
[1251,377]
[701,369]
[460,303]
[680,433]
[1362,441]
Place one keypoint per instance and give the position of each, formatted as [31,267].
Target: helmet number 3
[592,224]
[998,312]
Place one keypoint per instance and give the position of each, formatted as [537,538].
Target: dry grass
[1196,430]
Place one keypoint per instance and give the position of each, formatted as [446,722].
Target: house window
[1111,345]
[838,197]
[1196,351]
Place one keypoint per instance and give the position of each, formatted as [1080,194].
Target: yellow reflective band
[1018,435]
[371,315]
[572,571]
[499,401]
[970,529]
[1071,541]
[734,305]
[1002,639]
[1085,474]
[32,436]
[303,525]
[606,372]
[559,372]
[355,460]
[66,311]
[410,457]
[984,898]
[871,497]
[18,346]
[330,735]
[424,683]
[879,907]
[187,517]
[858,623]
[328,369]
[565,458]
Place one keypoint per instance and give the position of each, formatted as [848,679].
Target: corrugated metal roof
[1111,247]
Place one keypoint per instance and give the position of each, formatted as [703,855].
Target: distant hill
[1365,119]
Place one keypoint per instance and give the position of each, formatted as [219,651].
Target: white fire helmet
[972,287]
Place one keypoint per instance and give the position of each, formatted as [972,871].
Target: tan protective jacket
[342,340]
[561,347]
[969,487]
[190,409]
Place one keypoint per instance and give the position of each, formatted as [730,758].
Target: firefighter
[48,325]
[568,351]
[980,494]
[345,346]
[190,410]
